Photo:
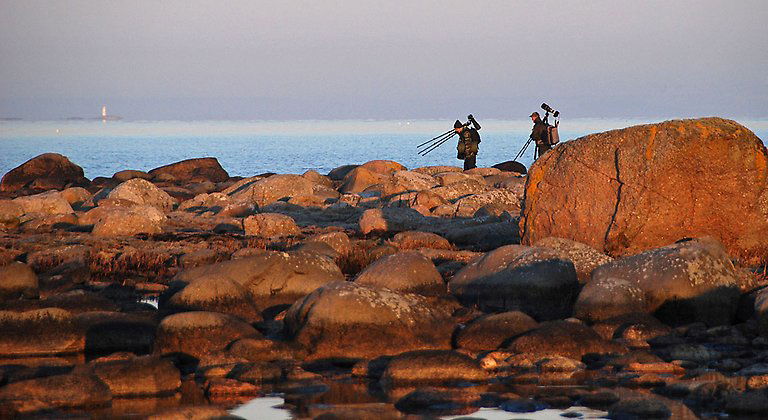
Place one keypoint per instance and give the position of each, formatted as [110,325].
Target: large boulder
[214,294]
[344,319]
[489,332]
[629,190]
[263,191]
[193,170]
[141,192]
[360,178]
[59,391]
[385,167]
[138,376]
[563,338]
[533,280]
[128,221]
[485,237]
[432,366]
[407,271]
[44,172]
[270,224]
[393,219]
[685,282]
[197,334]
[18,280]
[270,277]
[584,257]
[39,332]
[47,203]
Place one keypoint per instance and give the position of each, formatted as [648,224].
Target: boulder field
[625,273]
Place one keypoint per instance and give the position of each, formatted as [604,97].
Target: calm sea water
[247,148]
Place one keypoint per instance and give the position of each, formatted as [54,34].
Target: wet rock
[122,176]
[43,172]
[270,225]
[511,166]
[213,294]
[532,280]
[337,174]
[625,188]
[128,221]
[407,271]
[485,237]
[141,192]
[519,405]
[585,258]
[436,400]
[353,320]
[270,277]
[491,331]
[264,191]
[563,338]
[18,280]
[39,332]
[195,334]
[193,170]
[698,353]
[60,391]
[138,377]
[432,366]
[686,282]
[47,203]
[639,408]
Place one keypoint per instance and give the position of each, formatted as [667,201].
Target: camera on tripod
[549,109]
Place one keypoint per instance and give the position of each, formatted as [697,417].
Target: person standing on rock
[469,142]
[539,135]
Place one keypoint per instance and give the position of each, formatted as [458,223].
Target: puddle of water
[266,408]
[497,414]
[269,408]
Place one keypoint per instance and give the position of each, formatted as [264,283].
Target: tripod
[525,146]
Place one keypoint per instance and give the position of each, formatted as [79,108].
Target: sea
[248,148]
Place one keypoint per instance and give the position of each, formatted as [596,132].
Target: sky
[338,59]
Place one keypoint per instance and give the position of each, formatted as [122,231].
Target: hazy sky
[382,59]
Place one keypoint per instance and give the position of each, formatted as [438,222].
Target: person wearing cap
[539,134]
[469,143]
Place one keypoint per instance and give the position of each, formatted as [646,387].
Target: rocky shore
[625,272]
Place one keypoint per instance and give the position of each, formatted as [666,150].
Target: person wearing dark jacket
[469,143]
[539,135]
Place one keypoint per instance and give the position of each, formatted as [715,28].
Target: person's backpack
[553,137]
